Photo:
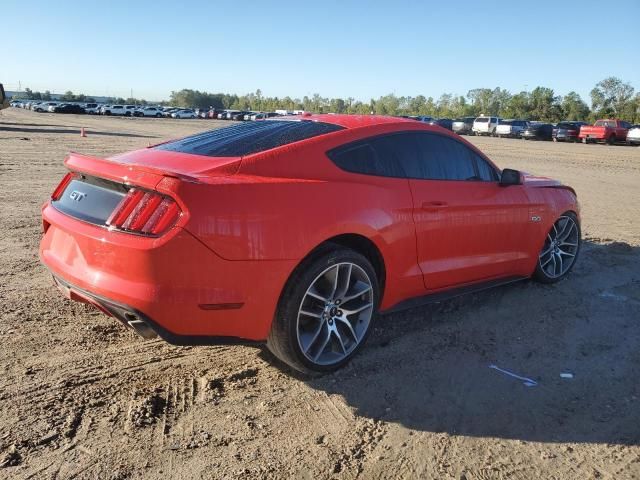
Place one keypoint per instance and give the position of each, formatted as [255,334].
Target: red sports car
[297,231]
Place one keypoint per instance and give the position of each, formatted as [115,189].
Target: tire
[158,115]
[308,308]
[108,112]
[561,245]
[611,140]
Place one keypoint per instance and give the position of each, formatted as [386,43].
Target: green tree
[573,108]
[518,106]
[68,96]
[545,105]
[612,97]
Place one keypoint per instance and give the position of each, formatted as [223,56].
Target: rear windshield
[482,119]
[605,123]
[507,122]
[248,138]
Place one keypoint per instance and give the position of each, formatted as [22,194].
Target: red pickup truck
[608,130]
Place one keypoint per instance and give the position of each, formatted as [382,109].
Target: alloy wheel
[335,313]
[560,247]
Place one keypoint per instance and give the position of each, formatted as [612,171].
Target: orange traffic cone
[82,132]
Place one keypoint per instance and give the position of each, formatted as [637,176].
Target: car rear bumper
[174,285]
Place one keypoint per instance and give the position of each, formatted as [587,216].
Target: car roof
[349,121]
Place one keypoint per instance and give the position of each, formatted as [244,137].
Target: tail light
[572,132]
[144,212]
[57,193]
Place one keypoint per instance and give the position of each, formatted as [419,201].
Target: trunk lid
[96,187]
[179,164]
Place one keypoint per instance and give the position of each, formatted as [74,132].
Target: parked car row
[148,110]
[610,131]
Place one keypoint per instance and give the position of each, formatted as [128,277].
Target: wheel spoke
[310,314]
[548,250]
[311,292]
[345,280]
[542,265]
[357,310]
[569,244]
[562,252]
[324,345]
[561,263]
[315,336]
[564,227]
[357,294]
[562,238]
[335,282]
[347,324]
[555,267]
[339,337]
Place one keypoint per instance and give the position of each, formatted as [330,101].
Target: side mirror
[510,177]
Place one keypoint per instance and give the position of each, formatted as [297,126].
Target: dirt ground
[82,397]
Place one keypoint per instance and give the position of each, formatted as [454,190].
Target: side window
[358,159]
[442,158]
[396,152]
[485,171]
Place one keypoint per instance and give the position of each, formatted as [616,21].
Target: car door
[468,227]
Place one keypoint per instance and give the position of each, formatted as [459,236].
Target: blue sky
[336,48]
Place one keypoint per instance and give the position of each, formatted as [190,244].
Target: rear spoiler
[140,175]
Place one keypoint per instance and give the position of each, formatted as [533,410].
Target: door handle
[434,204]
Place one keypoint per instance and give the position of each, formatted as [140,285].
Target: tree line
[610,97]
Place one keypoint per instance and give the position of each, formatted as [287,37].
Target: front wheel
[560,249]
[326,311]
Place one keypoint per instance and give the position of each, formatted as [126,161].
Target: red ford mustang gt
[296,231]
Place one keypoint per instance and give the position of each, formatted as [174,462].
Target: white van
[485,125]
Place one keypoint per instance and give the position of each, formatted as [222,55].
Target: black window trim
[366,141]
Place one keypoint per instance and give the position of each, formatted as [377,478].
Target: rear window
[248,138]
[605,123]
[482,119]
[507,122]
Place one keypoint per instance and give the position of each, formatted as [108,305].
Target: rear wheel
[326,311]
[560,249]
[611,140]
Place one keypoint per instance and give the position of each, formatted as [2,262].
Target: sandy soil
[81,397]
